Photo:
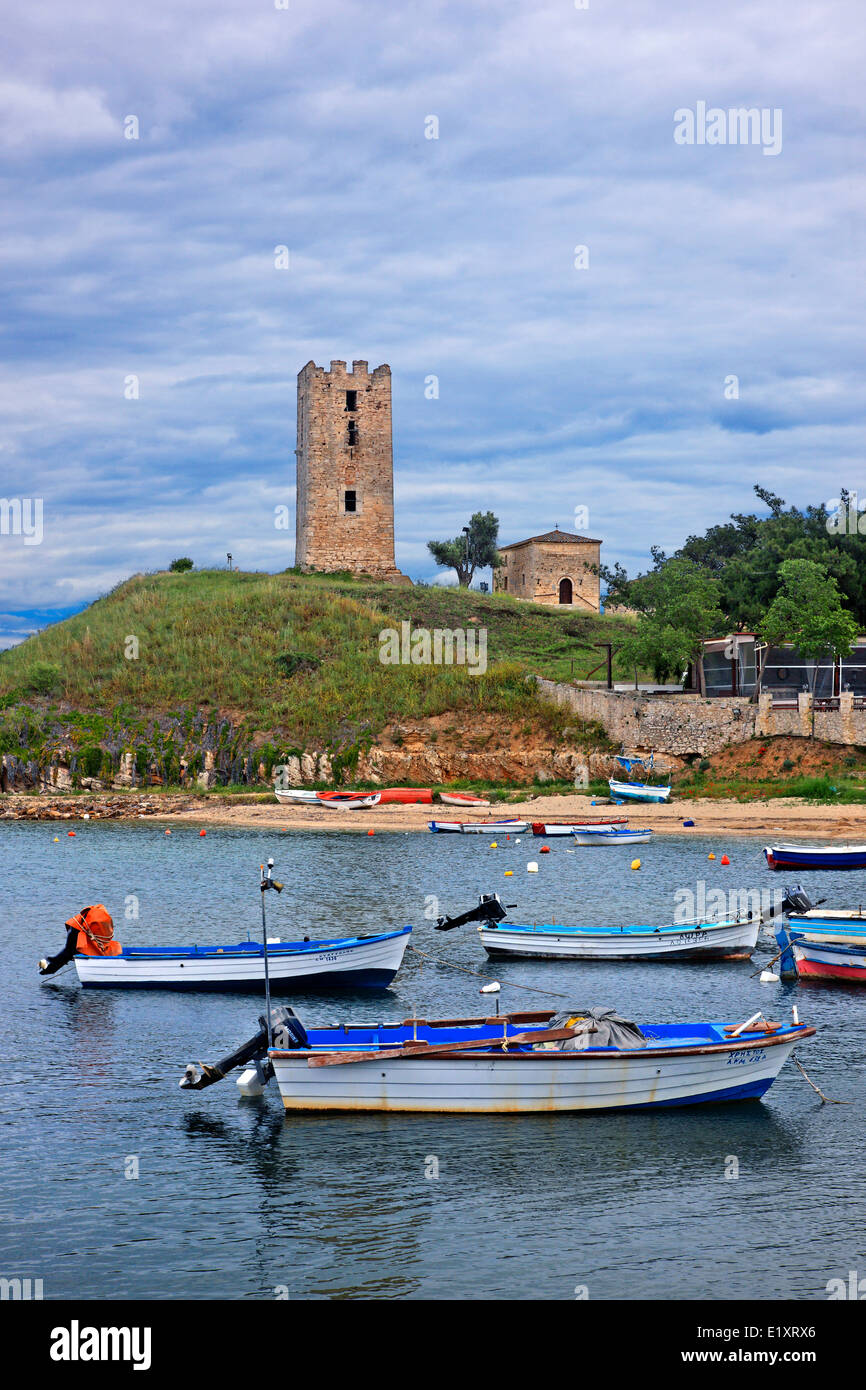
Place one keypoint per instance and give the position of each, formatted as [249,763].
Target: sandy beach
[787,817]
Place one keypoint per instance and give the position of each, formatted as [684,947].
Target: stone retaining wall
[686,724]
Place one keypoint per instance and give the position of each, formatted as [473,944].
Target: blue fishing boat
[633,790]
[725,939]
[576,1060]
[815,856]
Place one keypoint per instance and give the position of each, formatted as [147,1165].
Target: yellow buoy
[509,873]
[711,856]
[57,839]
[635,863]
[495,844]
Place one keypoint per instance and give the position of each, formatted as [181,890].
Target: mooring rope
[452,965]
[825,1100]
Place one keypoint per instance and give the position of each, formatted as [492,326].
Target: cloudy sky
[561,385]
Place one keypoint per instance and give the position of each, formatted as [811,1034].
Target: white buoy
[532,867]
[769,977]
[493,988]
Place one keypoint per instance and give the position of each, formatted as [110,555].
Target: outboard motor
[489,909]
[797,900]
[49,965]
[287,1031]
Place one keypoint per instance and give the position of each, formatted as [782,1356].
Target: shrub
[178,566]
[43,677]
[89,760]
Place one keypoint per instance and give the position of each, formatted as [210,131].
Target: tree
[677,606]
[178,566]
[475,549]
[807,611]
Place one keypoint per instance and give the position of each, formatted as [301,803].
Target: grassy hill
[275,662]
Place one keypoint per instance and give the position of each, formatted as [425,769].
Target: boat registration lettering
[327,958]
[737,1058]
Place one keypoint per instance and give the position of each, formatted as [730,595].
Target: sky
[432,171]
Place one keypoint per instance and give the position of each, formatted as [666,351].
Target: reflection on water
[234,1200]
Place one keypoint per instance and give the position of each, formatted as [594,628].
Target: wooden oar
[414,1049]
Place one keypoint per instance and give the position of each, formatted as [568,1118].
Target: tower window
[350,500]
[353,433]
[351,400]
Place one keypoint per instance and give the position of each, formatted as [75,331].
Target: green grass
[295,658]
[823,790]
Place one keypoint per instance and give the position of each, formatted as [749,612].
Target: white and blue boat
[343,962]
[728,939]
[610,835]
[525,1064]
[815,856]
[816,944]
[637,791]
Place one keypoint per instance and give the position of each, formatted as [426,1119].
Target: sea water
[114,1183]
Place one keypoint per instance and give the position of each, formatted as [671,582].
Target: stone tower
[345,492]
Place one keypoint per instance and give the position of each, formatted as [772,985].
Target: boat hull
[722,941]
[815,856]
[549,830]
[816,960]
[345,963]
[456,799]
[637,791]
[539,1082]
[611,837]
[500,827]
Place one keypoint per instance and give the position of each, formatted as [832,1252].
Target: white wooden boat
[345,961]
[295,795]
[493,827]
[823,958]
[611,835]
[730,940]
[513,1065]
[462,799]
[350,803]
[637,791]
[550,830]
[447,827]
[815,856]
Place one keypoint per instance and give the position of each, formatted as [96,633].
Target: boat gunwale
[494,1050]
[275,949]
[614,933]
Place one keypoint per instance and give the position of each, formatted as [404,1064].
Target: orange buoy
[70,832]
[724,859]
[202,832]
[545,849]
[371,832]
[168,832]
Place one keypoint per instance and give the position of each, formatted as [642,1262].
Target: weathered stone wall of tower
[345,492]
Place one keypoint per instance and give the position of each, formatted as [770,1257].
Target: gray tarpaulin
[594,1028]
